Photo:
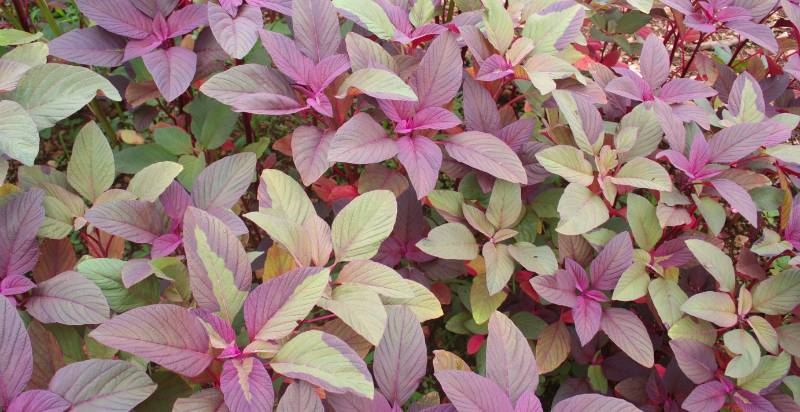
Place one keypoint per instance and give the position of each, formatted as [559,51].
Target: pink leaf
[206,400]
[615,258]
[438,76]
[586,314]
[684,90]
[707,397]
[15,351]
[738,198]
[362,141]
[433,118]
[594,403]
[287,58]
[316,28]
[627,332]
[172,70]
[735,142]
[186,19]
[92,46]
[38,400]
[487,154]
[480,110]
[422,160]
[117,16]
[69,299]
[133,220]
[236,34]
[400,358]
[469,391]
[509,359]
[310,149]
[654,62]
[221,184]
[246,385]
[558,288]
[695,359]
[15,285]
[20,219]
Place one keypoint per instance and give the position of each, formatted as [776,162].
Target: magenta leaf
[69,299]
[102,385]
[287,58]
[316,28]
[237,33]
[246,386]
[615,258]
[361,140]
[684,90]
[117,16]
[20,218]
[422,159]
[151,7]
[627,331]
[480,110]
[133,220]
[738,198]
[558,288]
[172,69]
[311,150]
[587,314]
[206,400]
[15,285]
[400,358]
[186,19]
[38,400]
[528,402]
[735,142]
[469,391]
[707,397]
[654,62]
[15,350]
[509,359]
[166,334]
[92,46]
[695,359]
[594,403]
[488,154]
[438,76]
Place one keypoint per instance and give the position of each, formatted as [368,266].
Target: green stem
[450,10]
[111,135]
[12,17]
[45,10]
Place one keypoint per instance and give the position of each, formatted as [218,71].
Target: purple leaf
[528,402]
[133,220]
[310,150]
[175,200]
[69,299]
[434,118]
[230,219]
[316,28]
[480,109]
[172,69]
[626,330]
[400,358]
[438,76]
[102,385]
[735,142]
[350,402]
[594,403]
[117,16]
[361,140]
[253,88]
[615,258]
[654,62]
[236,34]
[300,396]
[327,71]
[38,401]
[135,271]
[684,90]
[471,392]
[15,285]
[93,46]
[206,400]
[164,245]
[738,198]
[20,219]
[246,385]
[735,95]
[509,359]
[15,350]
[186,19]
[558,288]
[487,154]
[281,6]
[151,7]
[287,58]
[221,184]
[422,159]
[165,334]
[707,397]
[587,314]
[695,359]
[759,34]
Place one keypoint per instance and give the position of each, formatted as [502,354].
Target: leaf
[710,396]
[206,400]
[715,261]
[21,215]
[615,258]
[375,276]
[538,259]
[107,274]
[132,220]
[369,14]
[19,137]
[165,334]
[770,369]
[643,221]
[499,26]
[52,92]
[695,359]
[736,142]
[633,283]
[149,183]
[236,34]
[246,385]
[360,228]
[91,167]
[668,298]
[627,332]
[218,266]
[424,303]
[15,350]
[400,357]
[552,347]
[738,198]
[594,403]
[324,360]
[450,241]
[554,28]
[741,343]
[38,400]
[583,118]
[438,76]
[713,213]
[580,210]
[767,335]
[567,162]
[287,195]
[172,69]
[643,173]
[779,294]
[642,5]
[714,307]
[299,396]
[487,154]
[366,53]
[102,385]
[14,37]
[378,83]
[361,140]
[123,19]
[360,308]
[469,391]
[689,328]
[90,46]
[273,308]
[310,148]
[69,299]
[509,359]
[483,303]
[422,159]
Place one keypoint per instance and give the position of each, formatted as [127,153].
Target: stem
[694,54]
[318,319]
[22,14]
[736,52]
[247,119]
[45,10]
[104,123]
[450,11]
[12,17]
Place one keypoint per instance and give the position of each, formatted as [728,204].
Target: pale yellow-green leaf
[505,204]
[546,29]
[483,303]
[421,13]
[580,210]
[423,303]
[498,24]
[13,37]
[19,138]
[360,228]
[447,201]
[767,335]
[149,183]
[450,241]
[499,266]
[91,167]
[285,231]
[360,308]
[552,347]
[297,307]
[715,261]
[643,6]
[445,361]
[477,219]
[632,284]
[567,162]
[769,370]
[643,173]
[287,195]
[370,14]
[748,353]
[569,109]
[693,329]
[778,294]
[375,276]
[223,284]
[377,83]
[538,259]
[713,213]
[716,307]
[667,297]
[643,221]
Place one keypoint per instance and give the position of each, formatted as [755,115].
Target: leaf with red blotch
[235,34]
[69,299]
[38,400]
[172,70]
[246,386]
[615,258]
[422,159]
[20,218]
[186,19]
[738,198]
[469,391]
[93,46]
[400,357]
[509,359]
[438,76]
[627,331]
[488,154]
[594,403]
[15,350]
[707,397]
[361,140]
[315,25]
[695,359]
[165,334]
[310,150]
[119,17]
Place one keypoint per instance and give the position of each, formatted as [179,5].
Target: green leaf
[375,276]
[377,83]
[498,24]
[642,5]
[133,159]
[482,302]
[52,92]
[360,228]
[643,173]
[770,244]
[149,183]
[538,259]
[324,360]
[643,221]
[632,284]
[668,297]
[174,139]
[597,380]
[715,261]
[712,212]
[360,308]
[632,21]
[14,37]
[370,14]
[567,162]
[580,210]
[767,335]
[741,343]
[107,275]
[499,266]
[716,307]
[450,241]
[223,284]
[422,12]
[778,294]
[447,202]
[423,303]
[91,168]
[788,153]
[19,138]
[212,121]
[548,28]
[505,204]
[287,195]
[693,329]
[769,370]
